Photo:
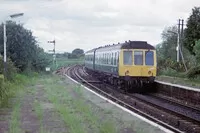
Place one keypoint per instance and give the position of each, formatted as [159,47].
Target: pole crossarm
[16,15]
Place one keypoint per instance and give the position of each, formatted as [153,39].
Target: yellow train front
[129,65]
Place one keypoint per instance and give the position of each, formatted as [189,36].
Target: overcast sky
[88,24]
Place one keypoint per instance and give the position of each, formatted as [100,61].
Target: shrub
[193,72]
[11,69]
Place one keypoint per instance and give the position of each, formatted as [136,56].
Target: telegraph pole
[181,50]
[178,41]
[181,35]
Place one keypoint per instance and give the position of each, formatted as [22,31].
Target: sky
[88,24]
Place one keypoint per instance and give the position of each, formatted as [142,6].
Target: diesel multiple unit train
[129,65]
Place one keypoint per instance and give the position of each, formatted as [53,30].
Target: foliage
[196,50]
[9,88]
[193,72]
[167,54]
[171,72]
[168,46]
[77,53]
[41,60]
[22,46]
[192,32]
[11,69]
[166,51]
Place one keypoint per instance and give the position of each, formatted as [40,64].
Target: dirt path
[38,114]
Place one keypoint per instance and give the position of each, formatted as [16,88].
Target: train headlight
[127,72]
[149,72]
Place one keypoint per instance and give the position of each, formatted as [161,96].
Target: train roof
[126,45]
[136,45]
[92,50]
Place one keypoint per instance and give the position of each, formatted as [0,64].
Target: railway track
[168,113]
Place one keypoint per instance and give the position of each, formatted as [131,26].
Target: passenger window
[138,58]
[128,58]
[112,59]
[115,58]
[103,58]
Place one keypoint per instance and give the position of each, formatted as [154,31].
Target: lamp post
[5,40]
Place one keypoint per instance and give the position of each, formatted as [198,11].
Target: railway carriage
[89,59]
[129,65]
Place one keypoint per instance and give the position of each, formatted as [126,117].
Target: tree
[22,47]
[167,54]
[196,50]
[168,46]
[195,70]
[192,32]
[41,60]
[77,53]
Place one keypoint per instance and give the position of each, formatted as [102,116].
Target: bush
[171,72]
[11,69]
[193,72]
[2,88]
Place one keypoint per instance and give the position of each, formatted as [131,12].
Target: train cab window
[149,60]
[128,58]
[138,58]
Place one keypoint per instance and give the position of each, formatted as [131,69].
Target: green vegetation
[192,32]
[11,69]
[39,112]
[14,126]
[76,113]
[11,88]
[22,48]
[190,47]
[14,90]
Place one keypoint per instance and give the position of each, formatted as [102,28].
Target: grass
[40,114]
[10,88]
[67,113]
[76,113]
[14,89]
[14,123]
[38,110]
[14,126]
[70,103]
[175,77]
[179,80]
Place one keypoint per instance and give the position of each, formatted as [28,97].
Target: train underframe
[126,83]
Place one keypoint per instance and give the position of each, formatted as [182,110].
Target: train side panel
[107,62]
